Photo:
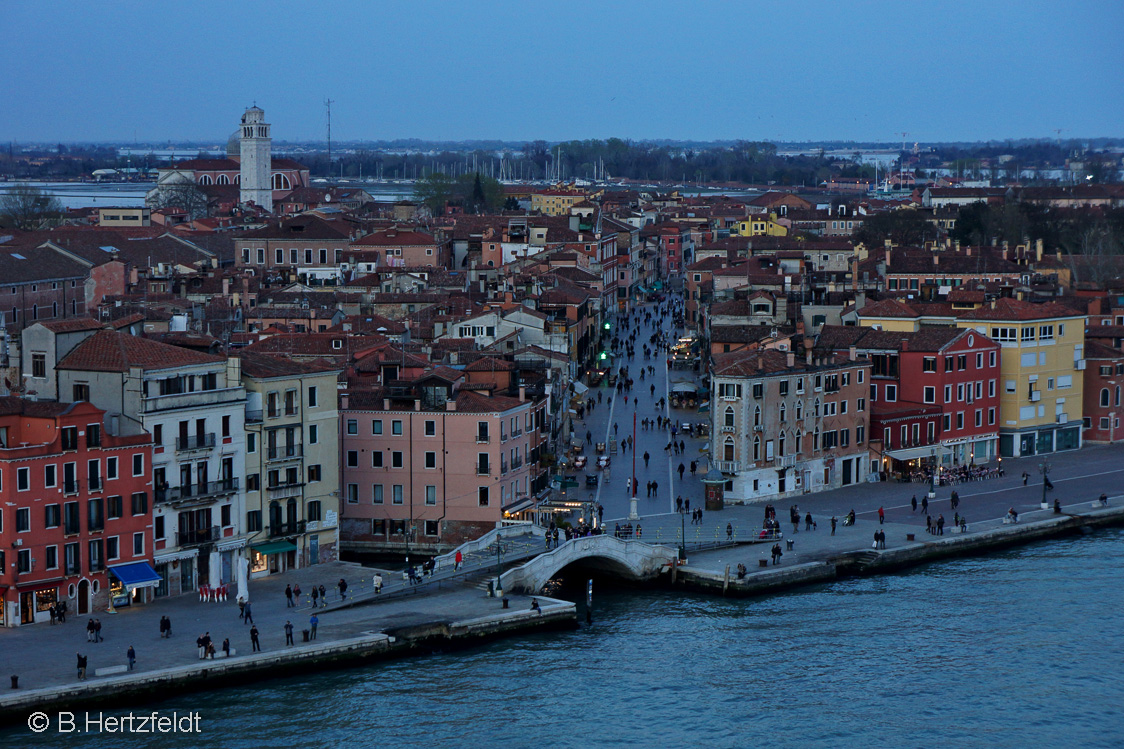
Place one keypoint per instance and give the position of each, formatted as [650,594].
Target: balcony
[283,491]
[197,491]
[253,417]
[71,487]
[787,461]
[503,467]
[483,469]
[284,452]
[158,403]
[516,464]
[726,466]
[94,484]
[197,536]
[287,529]
[728,429]
[1035,396]
[482,439]
[196,442]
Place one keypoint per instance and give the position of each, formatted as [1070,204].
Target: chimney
[936,259]
[1019,295]
[386,404]
[344,398]
[522,394]
[852,353]
[417,404]
[968,250]
[808,357]
[887,256]
[956,245]
[905,345]
[1038,249]
[1004,253]
[790,359]
[451,405]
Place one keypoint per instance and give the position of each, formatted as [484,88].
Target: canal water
[1019,649]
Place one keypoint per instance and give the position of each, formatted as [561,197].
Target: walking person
[833,522]
[323,596]
[925,504]
[97,630]
[82,660]
[682,470]
[226,647]
[288,632]
[255,644]
[248,615]
[241,608]
[881,516]
[312,622]
[342,585]
[646,456]
[913,502]
[457,560]
[288,596]
[90,630]
[377,580]
[315,596]
[201,646]
[132,656]
[729,531]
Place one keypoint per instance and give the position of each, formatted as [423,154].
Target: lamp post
[933,477]
[682,534]
[499,568]
[1044,469]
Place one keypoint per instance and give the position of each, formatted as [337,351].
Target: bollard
[15,682]
[304,633]
[505,602]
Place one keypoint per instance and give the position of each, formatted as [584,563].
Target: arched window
[1116,399]
[728,449]
[799,411]
[206,180]
[223,179]
[780,444]
[784,413]
[1104,396]
[816,439]
[757,448]
[757,416]
[816,412]
[237,179]
[797,443]
[728,417]
[281,182]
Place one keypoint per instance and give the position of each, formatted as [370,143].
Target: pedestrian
[925,504]
[682,469]
[679,503]
[82,660]
[655,488]
[288,632]
[90,630]
[132,656]
[457,559]
[323,596]
[729,531]
[342,585]
[808,522]
[312,622]
[201,646]
[833,522]
[881,516]
[315,596]
[248,615]
[694,467]
[254,639]
[210,649]
[682,448]
[296,592]
[955,500]
[777,553]
[377,580]
[226,647]
[288,596]
[241,608]
[646,456]
[535,605]
[97,630]
[876,539]
[1026,477]
[929,523]
[940,525]
[687,505]
[913,502]
[649,485]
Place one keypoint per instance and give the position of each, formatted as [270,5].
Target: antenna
[328,104]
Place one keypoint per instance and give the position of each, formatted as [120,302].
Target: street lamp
[933,477]
[499,568]
[682,533]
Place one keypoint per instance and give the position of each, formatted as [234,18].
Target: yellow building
[558,202]
[1041,381]
[759,225]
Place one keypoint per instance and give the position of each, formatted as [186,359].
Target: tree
[434,190]
[902,227]
[185,196]
[28,208]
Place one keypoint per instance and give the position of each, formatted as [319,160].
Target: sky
[641,69]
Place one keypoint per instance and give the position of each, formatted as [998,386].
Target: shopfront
[271,558]
[35,601]
[132,583]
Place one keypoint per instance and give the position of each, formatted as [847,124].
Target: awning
[44,585]
[136,575]
[912,453]
[684,387]
[524,503]
[275,547]
[579,388]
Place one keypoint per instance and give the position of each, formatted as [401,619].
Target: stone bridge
[632,560]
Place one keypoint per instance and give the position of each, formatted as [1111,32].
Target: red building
[933,392]
[75,512]
[1104,375]
[671,241]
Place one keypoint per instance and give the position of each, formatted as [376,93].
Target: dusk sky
[83,71]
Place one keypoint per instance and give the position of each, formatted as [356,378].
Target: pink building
[432,464]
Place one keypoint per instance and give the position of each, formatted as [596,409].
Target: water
[1019,649]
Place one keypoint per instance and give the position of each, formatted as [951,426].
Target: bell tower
[256,160]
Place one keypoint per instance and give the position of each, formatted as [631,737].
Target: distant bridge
[632,560]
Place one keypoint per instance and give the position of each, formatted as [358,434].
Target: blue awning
[136,574]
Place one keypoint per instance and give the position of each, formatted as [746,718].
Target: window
[23,479]
[353,458]
[51,516]
[70,438]
[930,394]
[961,362]
[313,434]
[758,390]
[783,387]
[353,494]
[1046,333]
[991,388]
[38,365]
[352,426]
[225,426]
[23,520]
[891,393]
[138,464]
[431,495]
[860,434]
[313,511]
[110,468]
[991,359]
[376,494]
[482,496]
[253,520]
[860,404]
[251,442]
[396,459]
[314,472]
[376,459]
[862,376]
[396,494]
[140,503]
[50,476]
[929,364]
[1007,335]
[396,427]
[959,419]
[53,557]
[73,558]
[95,516]
[979,417]
[253,482]
[960,391]
[431,459]
[138,544]
[430,428]
[431,526]
[376,426]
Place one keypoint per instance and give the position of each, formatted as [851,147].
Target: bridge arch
[631,560]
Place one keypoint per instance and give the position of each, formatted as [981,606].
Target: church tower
[256,160]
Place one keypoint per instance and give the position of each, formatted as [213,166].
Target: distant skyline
[866,71]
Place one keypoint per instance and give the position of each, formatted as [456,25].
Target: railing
[483,469]
[482,439]
[196,442]
[291,410]
[253,417]
[198,536]
[726,466]
[515,464]
[284,452]
[286,529]
[94,484]
[503,467]
[71,487]
[726,428]
[197,491]
[283,491]
[273,412]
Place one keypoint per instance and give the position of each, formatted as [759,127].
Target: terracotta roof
[11,405]
[1015,309]
[474,402]
[111,351]
[490,364]
[1094,350]
[263,366]
[73,325]
[888,308]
